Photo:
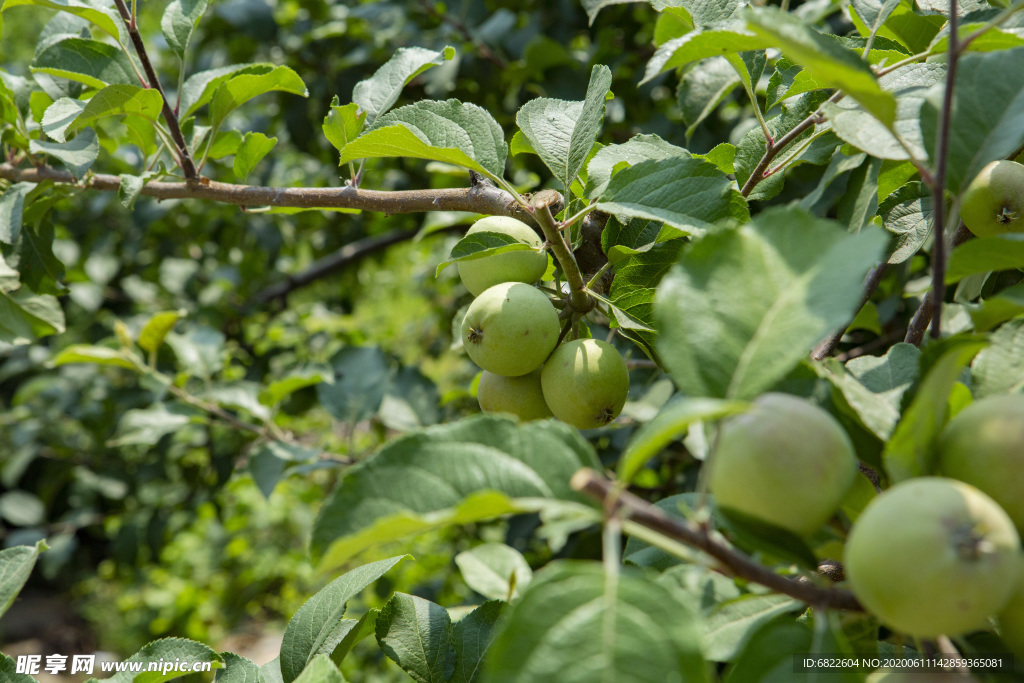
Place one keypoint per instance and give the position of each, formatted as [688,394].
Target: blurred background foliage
[159,531]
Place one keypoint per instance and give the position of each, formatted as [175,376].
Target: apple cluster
[512,331]
[929,556]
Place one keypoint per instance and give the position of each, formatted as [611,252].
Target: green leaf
[131,186]
[471,636]
[24,316]
[909,85]
[907,214]
[278,390]
[988,114]
[9,671]
[199,88]
[685,193]
[320,670]
[999,368]
[101,17]
[416,634]
[342,124]
[314,630]
[168,650]
[117,100]
[363,375]
[730,626]
[479,468]
[268,460]
[613,158]
[237,669]
[980,255]
[495,571]
[562,133]
[911,451]
[59,116]
[12,203]
[482,244]
[671,422]
[743,307]
[450,131]
[146,426]
[728,38]
[576,625]
[96,355]
[769,652]
[873,386]
[15,567]
[703,88]
[254,147]
[77,155]
[621,317]
[377,94]
[90,62]
[255,81]
[823,57]
[365,626]
[179,21]
[905,24]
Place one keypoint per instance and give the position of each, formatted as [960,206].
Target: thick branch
[923,316]
[188,167]
[741,566]
[482,198]
[828,345]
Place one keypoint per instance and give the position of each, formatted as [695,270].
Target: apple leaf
[101,17]
[743,307]
[254,147]
[377,94]
[90,62]
[15,567]
[700,44]
[452,132]
[911,451]
[342,124]
[613,158]
[983,254]
[242,87]
[317,627]
[482,244]
[575,624]
[999,368]
[562,133]
[479,468]
[416,634]
[77,155]
[686,193]
[179,21]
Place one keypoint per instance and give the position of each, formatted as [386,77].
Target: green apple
[510,329]
[521,396]
[585,383]
[993,203]
[933,556]
[785,461]
[984,446]
[1011,620]
[511,266]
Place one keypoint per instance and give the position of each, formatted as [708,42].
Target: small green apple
[984,446]
[585,383]
[993,203]
[1011,620]
[510,329]
[521,396]
[511,266]
[785,461]
[933,556]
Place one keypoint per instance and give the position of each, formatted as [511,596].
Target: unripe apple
[785,461]
[510,329]
[1011,620]
[984,446]
[510,266]
[993,203]
[585,383]
[521,396]
[933,556]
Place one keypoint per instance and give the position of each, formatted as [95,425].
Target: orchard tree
[722,342]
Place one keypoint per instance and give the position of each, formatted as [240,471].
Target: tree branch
[481,198]
[739,565]
[188,166]
[579,299]
[923,316]
[828,345]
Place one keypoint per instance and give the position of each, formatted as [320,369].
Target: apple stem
[579,300]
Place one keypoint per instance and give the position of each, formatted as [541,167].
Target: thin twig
[188,167]
[772,148]
[923,316]
[580,301]
[482,198]
[828,345]
[939,185]
[634,508]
